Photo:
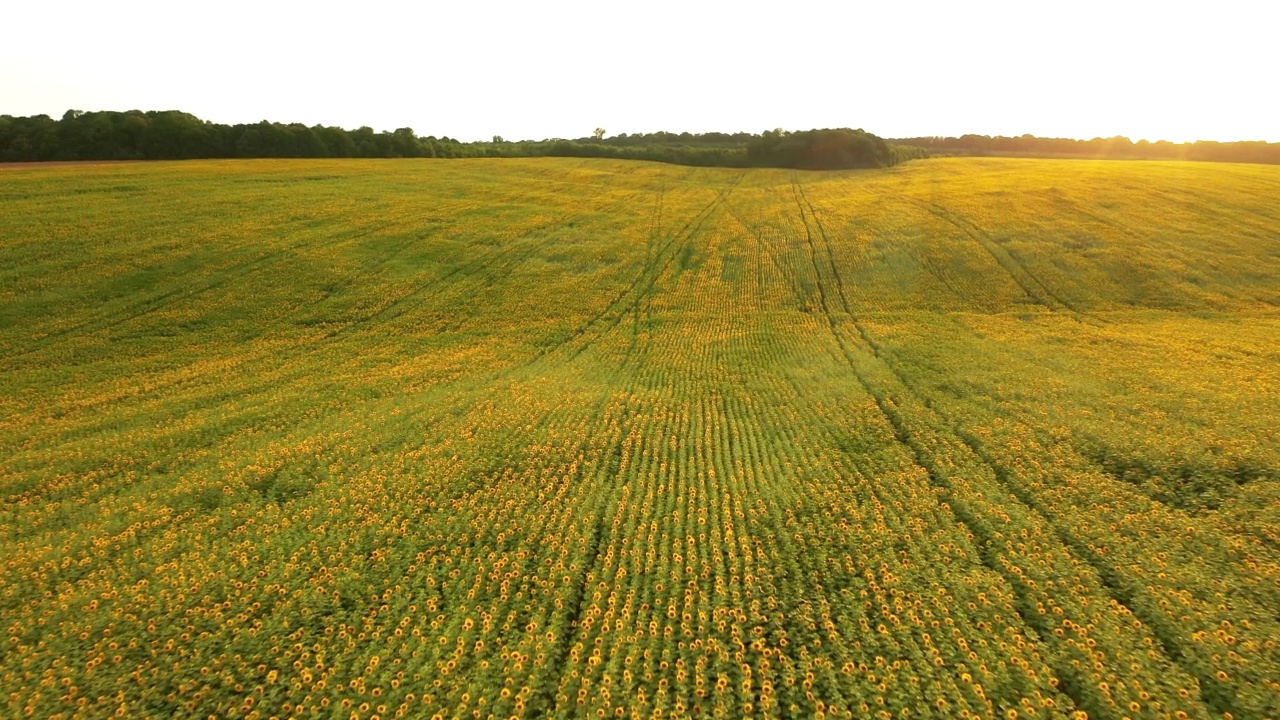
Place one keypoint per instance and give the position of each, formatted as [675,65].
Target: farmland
[583,438]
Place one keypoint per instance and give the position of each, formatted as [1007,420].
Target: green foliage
[695,155]
[819,150]
[556,438]
[810,149]
[172,135]
[175,135]
[1114,147]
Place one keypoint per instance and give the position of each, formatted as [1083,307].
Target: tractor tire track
[618,308]
[485,269]
[923,459]
[644,283]
[939,477]
[1106,575]
[773,260]
[152,304]
[1029,282]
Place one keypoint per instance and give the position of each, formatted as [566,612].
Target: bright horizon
[561,69]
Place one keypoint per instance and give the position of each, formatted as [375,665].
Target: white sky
[1156,70]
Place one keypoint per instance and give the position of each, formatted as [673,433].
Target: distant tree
[819,150]
[307,143]
[363,138]
[497,140]
[336,141]
[404,143]
[598,134]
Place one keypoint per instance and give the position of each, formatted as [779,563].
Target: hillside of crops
[495,438]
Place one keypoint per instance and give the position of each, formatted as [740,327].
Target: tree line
[1114,147]
[825,149]
[175,135]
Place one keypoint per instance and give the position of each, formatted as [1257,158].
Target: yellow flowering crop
[964,438]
